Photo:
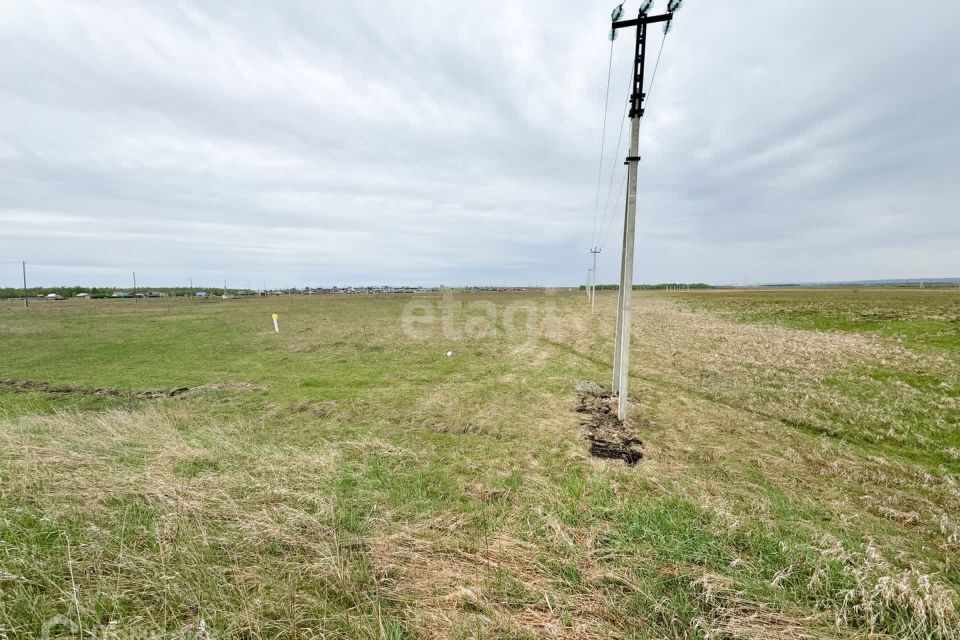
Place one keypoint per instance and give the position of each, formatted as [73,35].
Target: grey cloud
[315,143]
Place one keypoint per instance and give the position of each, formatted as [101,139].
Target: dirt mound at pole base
[609,438]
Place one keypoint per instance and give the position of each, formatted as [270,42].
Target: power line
[613,169]
[656,65]
[603,140]
[653,78]
[613,216]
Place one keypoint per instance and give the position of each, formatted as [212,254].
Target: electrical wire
[613,169]
[603,140]
[653,78]
[603,244]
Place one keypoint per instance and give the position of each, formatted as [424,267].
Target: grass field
[347,479]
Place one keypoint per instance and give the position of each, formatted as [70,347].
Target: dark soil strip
[149,394]
[608,437]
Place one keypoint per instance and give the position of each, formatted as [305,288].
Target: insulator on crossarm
[645,6]
[615,15]
[667,27]
[673,5]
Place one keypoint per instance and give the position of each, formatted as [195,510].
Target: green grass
[918,318]
[912,400]
[346,479]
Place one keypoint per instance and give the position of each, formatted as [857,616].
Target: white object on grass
[276,323]
[449,353]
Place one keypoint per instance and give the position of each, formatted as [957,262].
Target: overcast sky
[318,143]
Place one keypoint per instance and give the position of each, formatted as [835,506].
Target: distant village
[74,293]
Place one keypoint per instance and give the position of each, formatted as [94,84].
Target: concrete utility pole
[26,299]
[593,284]
[621,354]
[135,286]
[587,287]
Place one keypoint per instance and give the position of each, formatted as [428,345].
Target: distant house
[120,294]
[156,294]
[53,296]
[82,296]
[201,294]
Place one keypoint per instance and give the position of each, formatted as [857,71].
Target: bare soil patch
[609,438]
[143,394]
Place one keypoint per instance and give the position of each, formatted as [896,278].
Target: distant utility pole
[593,284]
[26,299]
[621,354]
[135,286]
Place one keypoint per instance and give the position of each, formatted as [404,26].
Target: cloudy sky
[317,143]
